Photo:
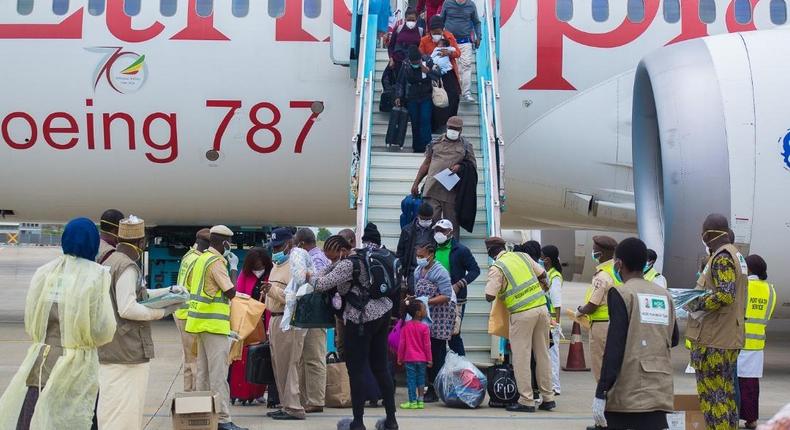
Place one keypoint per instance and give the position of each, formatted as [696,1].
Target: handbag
[338,386]
[314,310]
[259,368]
[439,94]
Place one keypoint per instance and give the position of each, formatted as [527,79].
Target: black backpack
[383,268]
[502,388]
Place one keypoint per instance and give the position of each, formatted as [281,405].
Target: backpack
[382,267]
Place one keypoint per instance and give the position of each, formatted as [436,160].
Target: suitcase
[259,368]
[396,130]
[240,389]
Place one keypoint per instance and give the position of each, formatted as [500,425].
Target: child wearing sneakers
[414,350]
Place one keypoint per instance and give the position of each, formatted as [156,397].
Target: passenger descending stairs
[391,175]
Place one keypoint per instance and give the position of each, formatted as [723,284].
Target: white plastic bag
[459,383]
[681,297]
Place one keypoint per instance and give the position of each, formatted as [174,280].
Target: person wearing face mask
[429,46]
[651,274]
[595,307]
[463,268]
[635,390]
[414,90]
[405,35]
[446,152]
[716,324]
[521,283]
[108,232]
[287,346]
[432,280]
[419,231]
[124,362]
[460,18]
[180,316]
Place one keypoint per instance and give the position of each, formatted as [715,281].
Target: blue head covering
[81,239]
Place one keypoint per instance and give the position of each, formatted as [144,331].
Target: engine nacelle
[710,134]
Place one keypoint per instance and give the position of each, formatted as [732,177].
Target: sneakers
[547,406]
[413,405]
[229,426]
[469,99]
[420,404]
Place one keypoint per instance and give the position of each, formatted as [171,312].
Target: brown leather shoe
[313,409]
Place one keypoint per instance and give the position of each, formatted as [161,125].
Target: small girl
[442,62]
[414,349]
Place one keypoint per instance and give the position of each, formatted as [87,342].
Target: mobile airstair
[380,179]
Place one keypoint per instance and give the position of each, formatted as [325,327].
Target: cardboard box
[194,411]
[687,415]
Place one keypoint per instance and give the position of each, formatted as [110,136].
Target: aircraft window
[743,11]
[168,7]
[276,8]
[131,7]
[778,12]
[204,7]
[60,7]
[671,11]
[24,7]
[707,11]
[564,10]
[636,10]
[240,8]
[95,7]
[600,10]
[312,8]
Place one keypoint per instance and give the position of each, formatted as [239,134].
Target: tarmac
[17,265]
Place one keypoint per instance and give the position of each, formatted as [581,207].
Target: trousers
[554,354]
[529,334]
[212,370]
[122,389]
[465,62]
[287,348]
[313,368]
[420,116]
[446,210]
[439,354]
[415,379]
[456,343]
[598,333]
[190,359]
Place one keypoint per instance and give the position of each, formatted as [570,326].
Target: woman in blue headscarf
[68,315]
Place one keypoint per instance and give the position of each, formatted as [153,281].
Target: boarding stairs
[382,177]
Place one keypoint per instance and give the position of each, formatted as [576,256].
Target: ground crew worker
[651,274]
[124,362]
[209,319]
[550,258]
[180,316]
[287,346]
[636,390]
[521,283]
[108,232]
[715,324]
[595,308]
[760,304]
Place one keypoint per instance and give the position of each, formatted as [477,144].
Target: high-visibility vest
[602,313]
[207,314]
[553,274]
[651,274]
[523,290]
[187,263]
[760,304]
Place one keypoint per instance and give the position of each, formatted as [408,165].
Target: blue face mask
[422,262]
[646,268]
[596,257]
[279,257]
[540,262]
[415,66]
[617,276]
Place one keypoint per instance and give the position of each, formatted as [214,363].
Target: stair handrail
[490,127]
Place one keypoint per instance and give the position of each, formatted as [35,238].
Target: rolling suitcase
[396,130]
[240,389]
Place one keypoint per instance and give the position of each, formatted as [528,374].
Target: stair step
[400,186]
[386,159]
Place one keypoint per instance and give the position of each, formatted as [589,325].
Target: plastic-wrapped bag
[681,297]
[460,384]
[165,300]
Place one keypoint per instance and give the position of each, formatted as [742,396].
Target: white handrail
[358,106]
[364,159]
[496,114]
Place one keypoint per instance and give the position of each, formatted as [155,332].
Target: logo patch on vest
[653,309]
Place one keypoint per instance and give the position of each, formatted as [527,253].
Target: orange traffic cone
[575,361]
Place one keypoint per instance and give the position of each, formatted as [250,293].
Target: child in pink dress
[414,350]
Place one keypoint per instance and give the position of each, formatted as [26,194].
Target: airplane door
[339,38]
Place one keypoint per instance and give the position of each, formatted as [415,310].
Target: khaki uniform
[601,283]
[312,366]
[529,333]
[444,154]
[287,346]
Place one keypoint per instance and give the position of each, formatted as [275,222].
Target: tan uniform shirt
[217,277]
[601,284]
[279,278]
[497,283]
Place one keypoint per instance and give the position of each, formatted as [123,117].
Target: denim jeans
[415,377]
[420,116]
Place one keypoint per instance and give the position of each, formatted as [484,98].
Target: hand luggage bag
[259,364]
[240,389]
[396,130]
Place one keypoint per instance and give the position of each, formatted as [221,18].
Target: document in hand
[447,178]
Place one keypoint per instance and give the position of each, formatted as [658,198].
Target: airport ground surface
[573,406]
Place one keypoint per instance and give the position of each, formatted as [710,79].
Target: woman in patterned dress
[432,280]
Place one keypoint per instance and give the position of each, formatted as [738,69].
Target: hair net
[81,239]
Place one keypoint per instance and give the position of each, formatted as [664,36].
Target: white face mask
[453,134]
[424,223]
[436,37]
[258,273]
[440,238]
[411,24]
[705,245]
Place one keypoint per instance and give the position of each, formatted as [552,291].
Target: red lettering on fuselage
[198,27]
[69,28]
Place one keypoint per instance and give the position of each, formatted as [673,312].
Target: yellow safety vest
[602,313]
[553,273]
[207,314]
[523,290]
[187,263]
[760,304]
[651,275]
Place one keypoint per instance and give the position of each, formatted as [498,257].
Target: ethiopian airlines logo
[124,71]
